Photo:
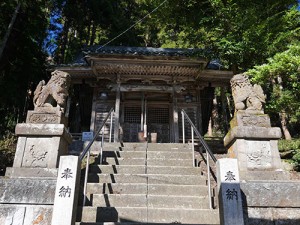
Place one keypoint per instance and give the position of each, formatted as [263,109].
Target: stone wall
[271,202]
[26,201]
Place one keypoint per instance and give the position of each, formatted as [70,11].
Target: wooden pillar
[175,117]
[93,116]
[199,111]
[117,113]
[224,107]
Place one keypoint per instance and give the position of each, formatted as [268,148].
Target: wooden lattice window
[158,115]
[132,114]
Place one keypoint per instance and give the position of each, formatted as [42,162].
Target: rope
[139,21]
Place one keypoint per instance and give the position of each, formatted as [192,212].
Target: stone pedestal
[46,115]
[254,143]
[41,145]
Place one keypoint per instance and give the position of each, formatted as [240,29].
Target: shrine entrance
[147,119]
[147,87]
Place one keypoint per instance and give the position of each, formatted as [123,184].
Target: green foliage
[234,31]
[22,63]
[280,78]
[294,147]
[7,151]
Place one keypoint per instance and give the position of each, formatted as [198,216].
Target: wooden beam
[138,88]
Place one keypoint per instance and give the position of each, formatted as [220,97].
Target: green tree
[94,22]
[22,63]
[235,31]
[280,78]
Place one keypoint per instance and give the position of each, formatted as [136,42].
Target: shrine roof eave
[145,58]
[151,64]
[142,51]
[218,77]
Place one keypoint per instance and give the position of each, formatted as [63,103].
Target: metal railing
[209,153]
[86,151]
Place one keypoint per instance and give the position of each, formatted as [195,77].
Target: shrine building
[147,87]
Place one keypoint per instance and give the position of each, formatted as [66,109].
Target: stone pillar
[229,192]
[66,193]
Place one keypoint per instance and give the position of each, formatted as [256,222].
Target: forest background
[258,37]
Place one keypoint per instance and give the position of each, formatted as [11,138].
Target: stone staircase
[146,183]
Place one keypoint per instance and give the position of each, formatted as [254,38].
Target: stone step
[170,162]
[169,155]
[129,223]
[178,190]
[193,216]
[125,154]
[150,201]
[142,214]
[148,178]
[123,188]
[118,200]
[177,202]
[153,189]
[153,146]
[128,169]
[134,145]
[150,154]
[119,146]
[150,162]
[173,170]
[111,214]
[122,161]
[117,169]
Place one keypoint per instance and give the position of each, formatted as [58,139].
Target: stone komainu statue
[54,93]
[245,95]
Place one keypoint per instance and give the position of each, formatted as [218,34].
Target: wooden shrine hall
[147,87]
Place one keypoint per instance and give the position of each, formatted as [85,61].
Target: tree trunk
[285,130]
[88,33]
[64,42]
[283,116]
[93,35]
[9,29]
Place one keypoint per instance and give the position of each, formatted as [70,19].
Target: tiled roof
[141,51]
[146,51]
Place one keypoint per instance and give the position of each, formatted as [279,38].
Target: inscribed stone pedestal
[254,143]
[41,145]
